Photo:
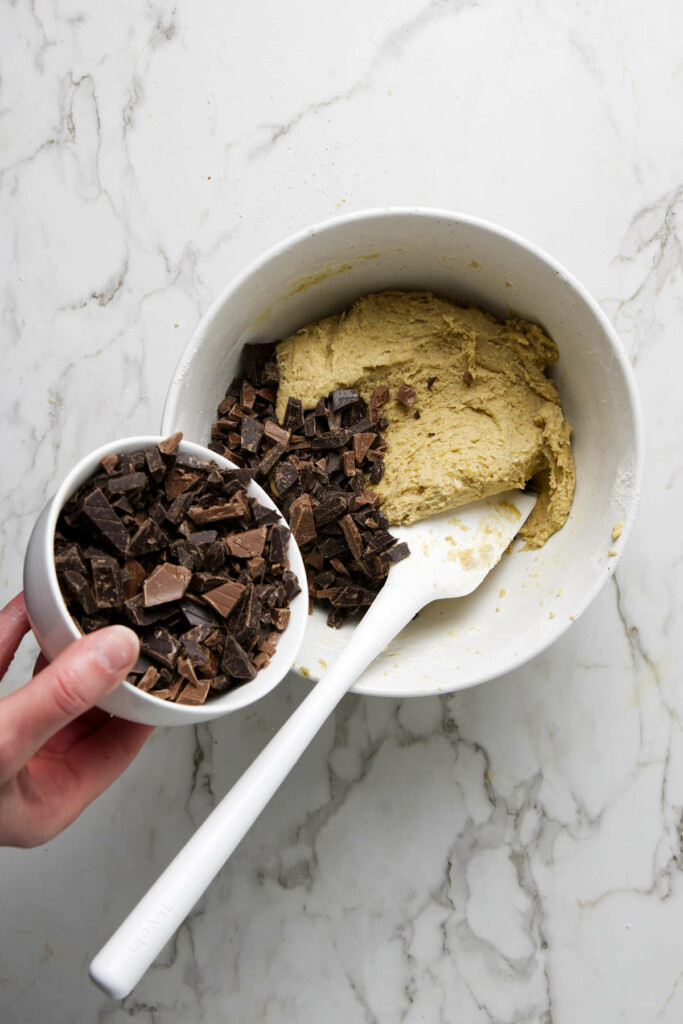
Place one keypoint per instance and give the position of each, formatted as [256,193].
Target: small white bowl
[55,629]
[530,599]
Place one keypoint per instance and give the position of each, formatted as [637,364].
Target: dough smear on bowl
[485,419]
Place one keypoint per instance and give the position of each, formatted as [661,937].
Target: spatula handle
[140,938]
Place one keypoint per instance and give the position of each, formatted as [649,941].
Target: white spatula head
[451,552]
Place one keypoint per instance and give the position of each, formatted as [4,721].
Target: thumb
[79,677]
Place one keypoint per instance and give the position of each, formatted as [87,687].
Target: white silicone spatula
[451,553]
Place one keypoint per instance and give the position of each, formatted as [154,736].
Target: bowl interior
[532,596]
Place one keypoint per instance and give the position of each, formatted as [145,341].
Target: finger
[56,790]
[62,741]
[77,679]
[14,625]
[41,663]
[67,785]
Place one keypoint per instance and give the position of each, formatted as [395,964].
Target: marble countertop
[507,854]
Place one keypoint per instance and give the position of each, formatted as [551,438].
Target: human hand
[57,751]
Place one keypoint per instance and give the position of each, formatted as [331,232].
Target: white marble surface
[509,854]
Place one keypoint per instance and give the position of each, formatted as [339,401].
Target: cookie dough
[486,418]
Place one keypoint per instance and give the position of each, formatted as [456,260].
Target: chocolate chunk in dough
[406,395]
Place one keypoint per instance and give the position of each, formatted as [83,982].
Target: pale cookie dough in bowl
[533,595]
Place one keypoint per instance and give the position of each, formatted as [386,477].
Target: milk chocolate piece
[225,597]
[406,395]
[249,544]
[194,693]
[302,522]
[352,536]
[170,445]
[149,680]
[105,521]
[166,583]
[110,463]
[380,396]
[214,513]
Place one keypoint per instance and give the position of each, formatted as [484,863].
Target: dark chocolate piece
[170,445]
[79,589]
[236,662]
[107,581]
[149,537]
[105,521]
[251,434]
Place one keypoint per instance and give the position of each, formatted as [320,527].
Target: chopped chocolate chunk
[160,646]
[279,540]
[155,464]
[149,680]
[197,614]
[301,520]
[281,617]
[129,483]
[376,471]
[380,396]
[194,693]
[294,415]
[107,581]
[352,536]
[225,597]
[406,395]
[79,589]
[68,557]
[286,476]
[430,382]
[236,662]
[133,576]
[170,445]
[271,458]
[275,433]
[231,510]
[394,555]
[166,583]
[251,434]
[249,544]
[256,358]
[344,397]
[149,537]
[105,521]
[467,377]
[110,462]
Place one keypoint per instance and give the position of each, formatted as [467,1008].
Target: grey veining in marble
[506,855]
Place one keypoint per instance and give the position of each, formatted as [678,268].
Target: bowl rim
[367,216]
[297,623]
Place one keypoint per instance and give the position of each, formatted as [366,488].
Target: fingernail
[117,646]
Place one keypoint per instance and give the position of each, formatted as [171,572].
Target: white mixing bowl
[531,597]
